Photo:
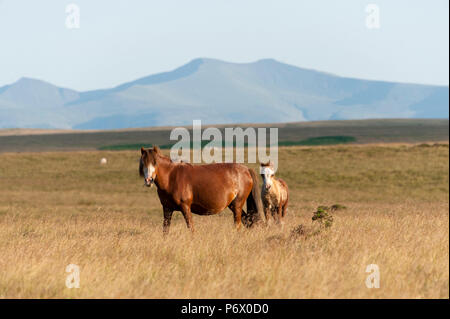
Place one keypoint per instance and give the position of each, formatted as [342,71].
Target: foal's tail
[254,204]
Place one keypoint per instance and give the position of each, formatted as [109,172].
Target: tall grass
[63,208]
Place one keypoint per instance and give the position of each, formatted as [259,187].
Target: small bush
[323,216]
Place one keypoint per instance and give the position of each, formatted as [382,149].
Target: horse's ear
[142,151]
[157,150]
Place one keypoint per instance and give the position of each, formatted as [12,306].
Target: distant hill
[214,91]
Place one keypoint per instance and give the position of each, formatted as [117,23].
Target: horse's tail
[254,203]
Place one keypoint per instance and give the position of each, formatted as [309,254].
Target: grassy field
[301,133]
[60,208]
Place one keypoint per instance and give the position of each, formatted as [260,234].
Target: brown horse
[201,189]
[274,194]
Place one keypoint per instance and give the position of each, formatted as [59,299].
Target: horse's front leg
[266,210]
[268,214]
[167,218]
[186,211]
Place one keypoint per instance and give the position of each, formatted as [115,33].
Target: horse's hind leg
[167,218]
[187,214]
[236,208]
[283,213]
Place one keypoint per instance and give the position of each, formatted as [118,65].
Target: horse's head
[148,164]
[267,173]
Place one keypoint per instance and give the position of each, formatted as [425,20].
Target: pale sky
[120,41]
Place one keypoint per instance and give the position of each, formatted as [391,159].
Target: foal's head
[267,173]
[147,164]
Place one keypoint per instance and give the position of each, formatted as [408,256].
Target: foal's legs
[167,218]
[186,211]
[267,214]
[280,215]
[276,213]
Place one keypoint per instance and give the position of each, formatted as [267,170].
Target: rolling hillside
[214,91]
[289,134]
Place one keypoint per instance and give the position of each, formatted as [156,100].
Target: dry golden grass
[62,208]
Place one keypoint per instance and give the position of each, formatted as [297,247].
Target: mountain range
[214,91]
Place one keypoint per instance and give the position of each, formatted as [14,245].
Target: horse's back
[212,186]
[217,170]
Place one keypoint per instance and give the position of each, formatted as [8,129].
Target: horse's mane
[182,163]
[159,156]
[175,162]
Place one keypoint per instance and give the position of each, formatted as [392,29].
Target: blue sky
[119,41]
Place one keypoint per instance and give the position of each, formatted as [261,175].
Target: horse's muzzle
[149,182]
